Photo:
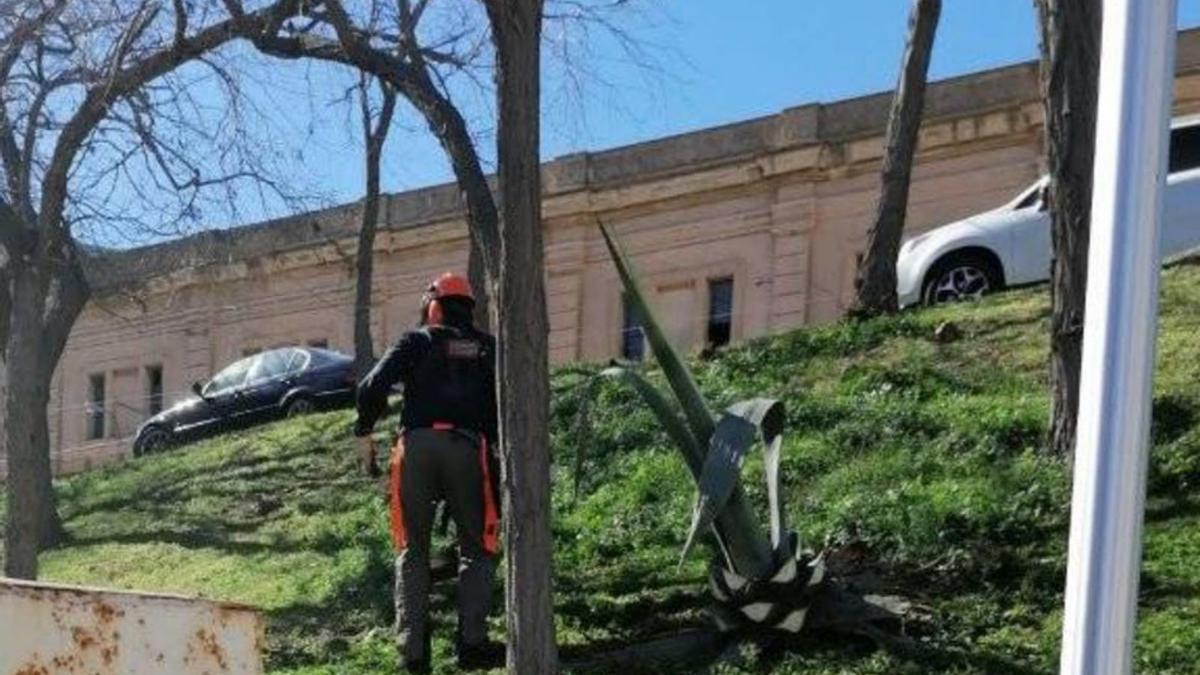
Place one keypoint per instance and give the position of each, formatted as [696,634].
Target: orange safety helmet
[448,285]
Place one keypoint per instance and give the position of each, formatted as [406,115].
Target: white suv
[1010,246]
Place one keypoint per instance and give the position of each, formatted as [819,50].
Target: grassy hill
[917,460]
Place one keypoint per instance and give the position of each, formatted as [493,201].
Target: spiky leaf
[734,435]
[698,415]
[668,418]
[722,467]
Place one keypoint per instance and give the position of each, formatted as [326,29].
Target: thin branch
[16,165]
[181,21]
[124,81]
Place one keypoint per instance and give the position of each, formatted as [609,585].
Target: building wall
[785,221]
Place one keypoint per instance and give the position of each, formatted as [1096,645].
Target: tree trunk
[876,283]
[40,316]
[523,373]
[477,275]
[364,345]
[1070,51]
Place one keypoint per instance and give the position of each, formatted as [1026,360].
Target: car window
[297,361]
[1185,149]
[233,376]
[1034,198]
[270,364]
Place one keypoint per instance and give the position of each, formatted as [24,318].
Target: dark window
[633,341]
[154,389]
[322,343]
[720,311]
[1185,149]
[297,360]
[270,364]
[233,376]
[1034,198]
[95,407]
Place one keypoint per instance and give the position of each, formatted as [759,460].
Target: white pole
[1136,78]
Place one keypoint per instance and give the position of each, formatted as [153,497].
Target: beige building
[740,230]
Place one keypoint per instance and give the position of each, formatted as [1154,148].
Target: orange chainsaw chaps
[491,515]
[399,534]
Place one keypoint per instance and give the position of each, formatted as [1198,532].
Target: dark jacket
[449,376]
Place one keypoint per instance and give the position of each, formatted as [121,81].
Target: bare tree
[876,282]
[1070,65]
[80,86]
[375,131]
[523,336]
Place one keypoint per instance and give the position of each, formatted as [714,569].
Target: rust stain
[64,663]
[106,612]
[82,638]
[32,669]
[109,654]
[208,644]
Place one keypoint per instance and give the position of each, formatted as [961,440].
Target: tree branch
[15,164]
[22,33]
[11,229]
[181,21]
[444,120]
[124,81]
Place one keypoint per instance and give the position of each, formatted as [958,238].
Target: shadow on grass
[699,648]
[979,328]
[178,483]
[316,633]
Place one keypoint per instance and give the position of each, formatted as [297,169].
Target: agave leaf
[740,540]
[768,415]
[675,427]
[583,430]
[699,417]
[722,467]
[734,435]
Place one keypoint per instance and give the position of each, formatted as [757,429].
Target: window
[720,311]
[95,407]
[633,342]
[1185,149]
[154,389]
[270,364]
[1032,198]
[233,376]
[297,360]
[251,351]
[320,343]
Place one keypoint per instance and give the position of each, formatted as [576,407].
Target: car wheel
[152,440]
[960,278]
[299,406]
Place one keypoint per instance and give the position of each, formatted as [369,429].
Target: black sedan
[274,384]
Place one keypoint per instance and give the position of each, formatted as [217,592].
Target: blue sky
[715,62]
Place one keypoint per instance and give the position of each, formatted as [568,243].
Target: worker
[448,422]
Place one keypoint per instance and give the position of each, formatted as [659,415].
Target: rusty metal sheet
[49,629]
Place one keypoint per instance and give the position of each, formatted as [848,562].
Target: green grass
[923,458]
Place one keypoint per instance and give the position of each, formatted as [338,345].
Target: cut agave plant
[757,579]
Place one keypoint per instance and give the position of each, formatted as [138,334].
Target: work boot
[484,655]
